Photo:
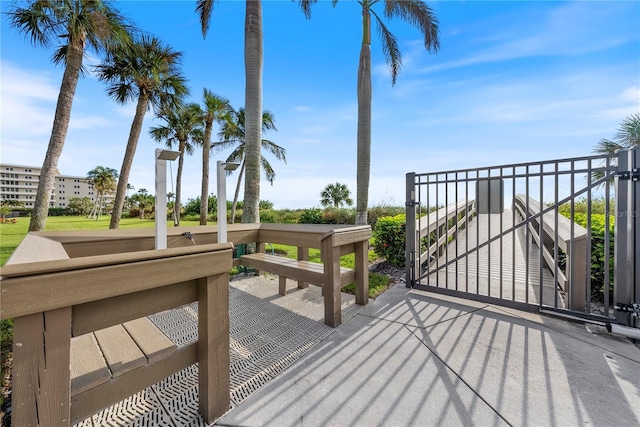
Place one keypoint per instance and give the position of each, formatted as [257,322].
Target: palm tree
[77,25]
[148,72]
[336,195]
[143,199]
[216,109]
[628,135]
[104,181]
[233,134]
[182,128]
[413,12]
[253,61]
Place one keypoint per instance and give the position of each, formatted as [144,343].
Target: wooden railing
[444,223]
[568,236]
[53,297]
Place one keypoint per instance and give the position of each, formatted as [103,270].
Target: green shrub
[338,216]
[311,216]
[379,211]
[598,259]
[389,239]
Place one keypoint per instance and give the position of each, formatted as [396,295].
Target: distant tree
[13,203]
[233,134]
[149,73]
[215,108]
[75,26]
[104,181]
[143,200]
[80,206]
[336,194]
[182,128]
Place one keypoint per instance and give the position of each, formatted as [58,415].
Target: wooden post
[362,272]
[303,255]
[332,284]
[41,375]
[214,382]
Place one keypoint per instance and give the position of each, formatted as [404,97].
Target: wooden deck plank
[120,351]
[88,367]
[500,269]
[154,344]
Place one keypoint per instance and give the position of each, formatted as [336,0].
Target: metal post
[161,201]
[222,202]
[626,283]
[161,195]
[410,245]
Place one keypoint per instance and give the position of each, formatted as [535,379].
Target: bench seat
[100,356]
[303,271]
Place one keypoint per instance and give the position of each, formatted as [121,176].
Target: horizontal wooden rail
[568,236]
[437,221]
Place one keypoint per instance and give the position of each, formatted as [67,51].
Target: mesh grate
[266,336]
[140,410]
[84,423]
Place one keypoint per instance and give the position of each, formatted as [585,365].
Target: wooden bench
[305,272]
[333,242]
[82,341]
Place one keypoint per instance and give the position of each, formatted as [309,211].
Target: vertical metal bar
[571,261]
[541,238]
[527,238]
[501,228]
[410,244]
[606,287]
[513,234]
[635,219]
[489,214]
[446,230]
[437,232]
[477,236]
[456,226]
[587,295]
[556,254]
[466,232]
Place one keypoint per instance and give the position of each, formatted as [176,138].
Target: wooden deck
[508,268]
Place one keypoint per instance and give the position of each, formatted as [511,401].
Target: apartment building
[20,183]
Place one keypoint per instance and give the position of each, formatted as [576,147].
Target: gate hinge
[412,203]
[633,174]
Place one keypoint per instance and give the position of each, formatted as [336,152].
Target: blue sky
[513,81]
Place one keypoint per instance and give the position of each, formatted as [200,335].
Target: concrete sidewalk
[415,358]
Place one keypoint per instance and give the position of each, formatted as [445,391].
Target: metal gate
[557,236]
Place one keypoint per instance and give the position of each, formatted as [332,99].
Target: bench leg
[41,376]
[332,284]
[303,255]
[282,285]
[362,272]
[214,381]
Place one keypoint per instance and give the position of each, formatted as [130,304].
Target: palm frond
[204,9]
[390,48]
[417,14]
[305,5]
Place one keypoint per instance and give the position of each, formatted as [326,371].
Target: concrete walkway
[420,359]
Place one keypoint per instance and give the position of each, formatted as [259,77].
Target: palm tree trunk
[58,136]
[98,205]
[130,151]
[364,135]
[204,193]
[176,207]
[253,59]
[235,196]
